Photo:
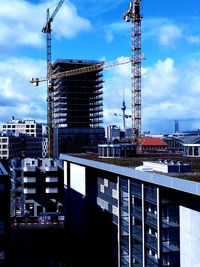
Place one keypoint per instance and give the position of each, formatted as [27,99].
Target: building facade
[142,214]
[4,217]
[20,146]
[112,133]
[77,108]
[28,127]
[37,187]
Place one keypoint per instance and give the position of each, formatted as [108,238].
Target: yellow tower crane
[47,30]
[49,78]
[98,66]
[133,15]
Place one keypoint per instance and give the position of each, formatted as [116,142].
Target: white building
[112,133]
[29,127]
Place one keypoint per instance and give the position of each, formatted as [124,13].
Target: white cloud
[159,80]
[18,97]
[169,34]
[109,37]
[21,22]
[68,23]
[168,93]
[193,39]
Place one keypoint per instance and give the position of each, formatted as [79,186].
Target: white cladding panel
[77,178]
[189,237]
[65,173]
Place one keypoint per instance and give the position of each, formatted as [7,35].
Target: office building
[128,217]
[20,146]
[112,133]
[77,108]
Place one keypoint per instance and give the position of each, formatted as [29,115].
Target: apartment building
[128,217]
[37,187]
[4,217]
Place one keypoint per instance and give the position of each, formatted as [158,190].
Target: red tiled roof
[152,141]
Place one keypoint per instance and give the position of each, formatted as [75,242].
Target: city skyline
[96,30]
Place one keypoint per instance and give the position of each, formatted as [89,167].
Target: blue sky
[90,29]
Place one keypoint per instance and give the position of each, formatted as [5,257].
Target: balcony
[29,168]
[51,190]
[51,168]
[125,243]
[150,197]
[151,219]
[170,221]
[125,225]
[124,205]
[29,179]
[137,212]
[151,242]
[137,252]
[51,179]
[170,247]
[124,261]
[29,190]
[137,232]
[152,261]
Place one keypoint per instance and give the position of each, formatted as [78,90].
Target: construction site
[75,104]
[75,93]
[125,203]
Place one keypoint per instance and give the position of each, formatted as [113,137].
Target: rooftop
[152,141]
[125,167]
[133,162]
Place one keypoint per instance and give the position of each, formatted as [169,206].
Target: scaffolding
[77,100]
[77,103]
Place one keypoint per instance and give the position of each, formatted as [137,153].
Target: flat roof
[175,183]
[78,61]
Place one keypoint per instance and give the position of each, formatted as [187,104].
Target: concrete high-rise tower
[77,108]
[176,126]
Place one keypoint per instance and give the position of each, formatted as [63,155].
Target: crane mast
[133,15]
[47,30]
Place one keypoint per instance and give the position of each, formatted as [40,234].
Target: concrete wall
[189,237]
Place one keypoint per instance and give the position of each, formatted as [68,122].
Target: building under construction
[77,107]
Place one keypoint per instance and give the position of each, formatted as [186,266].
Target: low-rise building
[152,144]
[116,150]
[165,166]
[191,150]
